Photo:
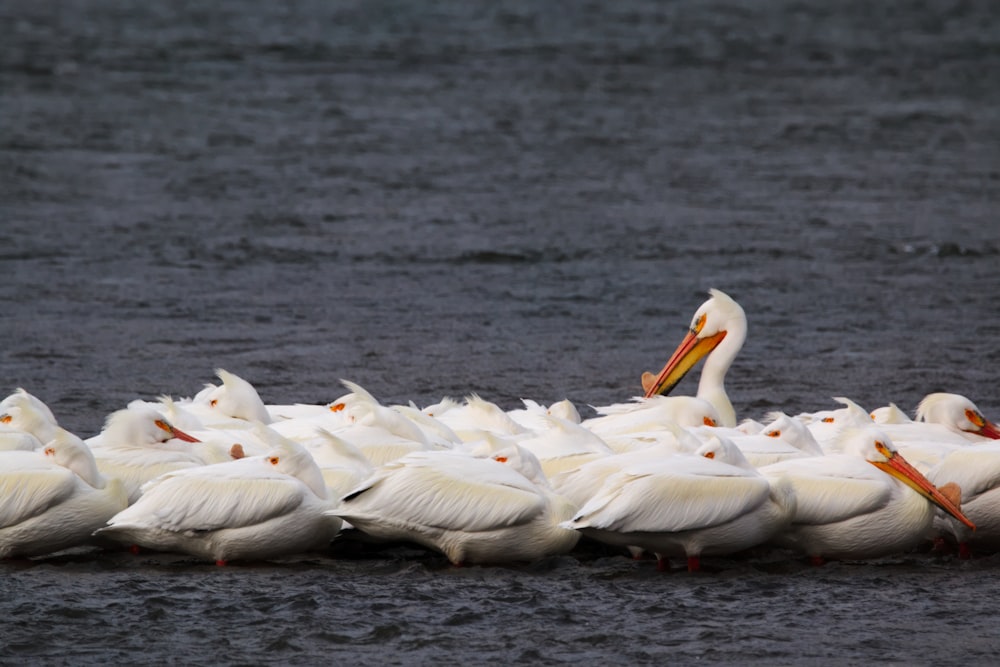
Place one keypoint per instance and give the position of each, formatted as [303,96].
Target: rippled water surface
[519,200]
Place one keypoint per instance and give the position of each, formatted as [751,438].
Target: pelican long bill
[900,468]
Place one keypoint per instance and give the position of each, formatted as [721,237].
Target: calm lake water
[519,200]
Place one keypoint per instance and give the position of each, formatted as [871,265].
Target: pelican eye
[883,449]
[337,407]
[164,425]
[213,402]
[500,459]
[975,418]
[773,434]
[827,420]
[709,455]
[273,460]
[708,421]
[49,451]
[6,419]
[698,324]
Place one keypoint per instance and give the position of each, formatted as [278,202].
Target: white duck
[718,330]
[53,499]
[254,508]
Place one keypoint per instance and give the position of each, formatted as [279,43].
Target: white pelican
[976,472]
[12,439]
[563,445]
[532,415]
[254,508]
[718,329]
[53,499]
[471,509]
[26,413]
[827,425]
[710,503]
[138,444]
[784,437]
[957,414]
[650,414]
[890,414]
[234,400]
[579,484]
[476,415]
[865,502]
[945,422]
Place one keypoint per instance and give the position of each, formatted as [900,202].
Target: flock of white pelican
[222,476]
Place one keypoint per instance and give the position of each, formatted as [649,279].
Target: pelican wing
[200,502]
[29,492]
[975,469]
[446,492]
[826,493]
[644,501]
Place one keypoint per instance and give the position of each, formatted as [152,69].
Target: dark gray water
[514,199]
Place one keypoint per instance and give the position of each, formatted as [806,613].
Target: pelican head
[237,398]
[956,412]
[718,324]
[710,325]
[877,449]
[141,425]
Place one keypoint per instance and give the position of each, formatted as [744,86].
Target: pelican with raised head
[718,331]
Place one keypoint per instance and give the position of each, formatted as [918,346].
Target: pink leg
[662,564]
[816,561]
[694,564]
[221,562]
[964,552]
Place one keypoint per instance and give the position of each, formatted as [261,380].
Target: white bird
[235,400]
[12,439]
[784,437]
[562,445]
[889,414]
[651,414]
[959,415]
[976,472]
[827,425]
[532,415]
[945,423]
[53,499]
[138,444]
[709,503]
[26,413]
[469,420]
[864,502]
[471,509]
[579,484]
[254,508]
[718,330]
